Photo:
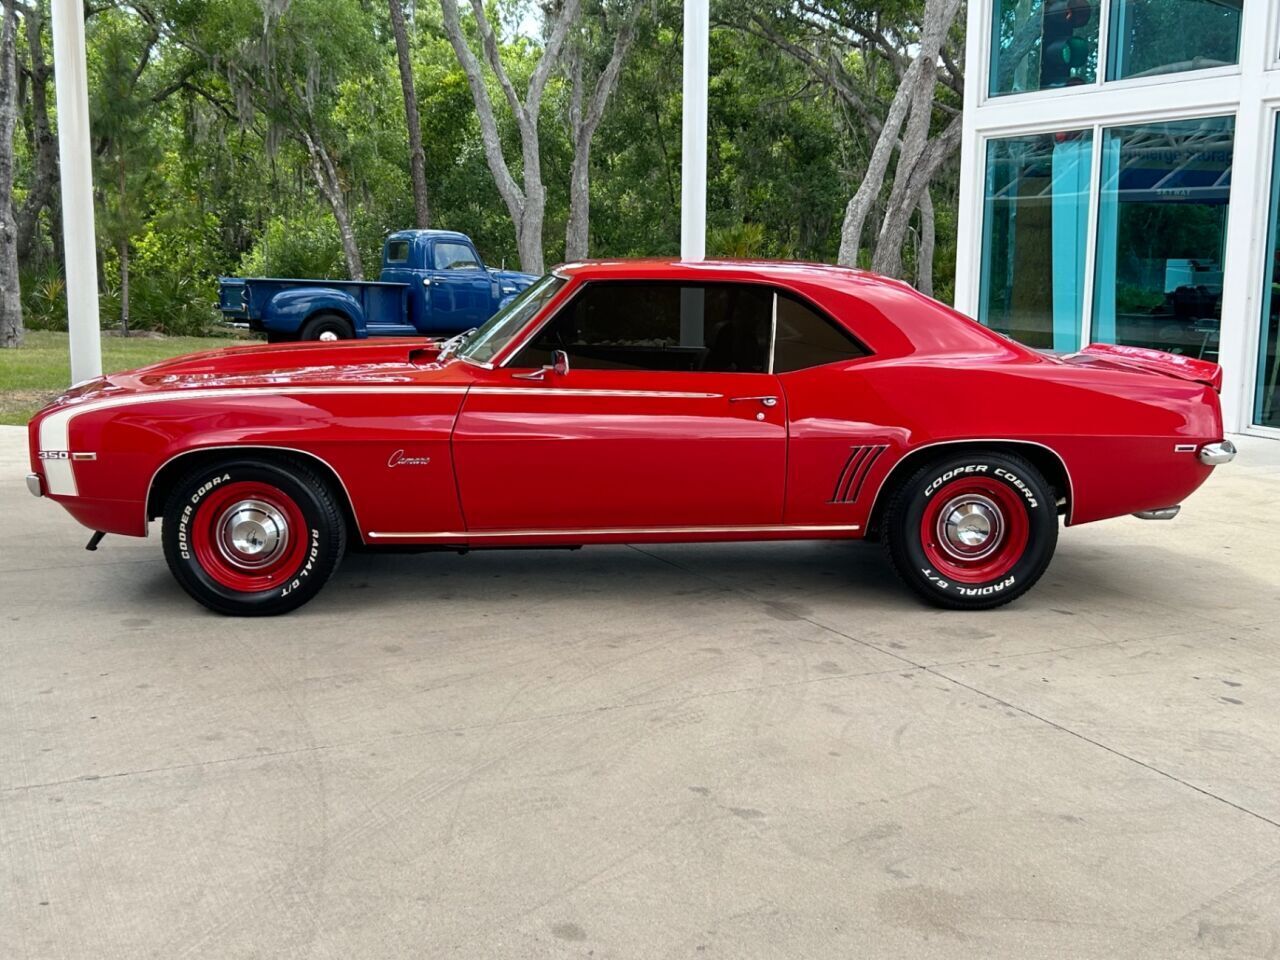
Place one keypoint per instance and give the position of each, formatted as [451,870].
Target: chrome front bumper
[1213,454]
[35,485]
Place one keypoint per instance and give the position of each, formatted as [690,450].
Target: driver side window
[454,256]
[630,325]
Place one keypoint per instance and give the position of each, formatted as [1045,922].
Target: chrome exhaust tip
[1160,513]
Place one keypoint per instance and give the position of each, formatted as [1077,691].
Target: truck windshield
[496,332]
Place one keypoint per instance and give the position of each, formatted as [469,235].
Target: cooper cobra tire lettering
[952,474]
[184,538]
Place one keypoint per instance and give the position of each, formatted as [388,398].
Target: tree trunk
[330,184]
[928,240]
[583,129]
[528,206]
[10,291]
[417,156]
[915,96]
[893,230]
[44,148]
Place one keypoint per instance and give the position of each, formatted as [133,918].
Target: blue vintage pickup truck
[433,283]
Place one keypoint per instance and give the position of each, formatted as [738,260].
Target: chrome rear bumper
[1213,454]
[34,485]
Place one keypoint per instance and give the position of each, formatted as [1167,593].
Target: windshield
[498,331]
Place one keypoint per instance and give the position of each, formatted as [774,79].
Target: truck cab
[446,277]
[433,283]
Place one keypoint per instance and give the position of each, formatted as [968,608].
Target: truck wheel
[972,531]
[252,537]
[327,326]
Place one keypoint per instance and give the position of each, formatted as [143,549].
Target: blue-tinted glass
[1162,231]
[1034,236]
[1041,44]
[1151,37]
[1267,401]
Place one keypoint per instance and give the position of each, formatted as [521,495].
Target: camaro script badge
[398,459]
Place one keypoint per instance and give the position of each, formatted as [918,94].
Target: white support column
[76,159]
[693,164]
[972,172]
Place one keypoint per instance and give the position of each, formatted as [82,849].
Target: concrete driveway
[712,751]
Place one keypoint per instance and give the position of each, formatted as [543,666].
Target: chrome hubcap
[251,534]
[970,527]
[328,335]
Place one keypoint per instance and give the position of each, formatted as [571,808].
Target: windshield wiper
[450,346]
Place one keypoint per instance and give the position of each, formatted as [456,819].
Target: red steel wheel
[249,536]
[974,530]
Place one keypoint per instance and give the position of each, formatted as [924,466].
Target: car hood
[382,361]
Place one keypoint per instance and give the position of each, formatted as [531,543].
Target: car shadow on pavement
[1082,576]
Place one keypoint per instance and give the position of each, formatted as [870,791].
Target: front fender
[288,310]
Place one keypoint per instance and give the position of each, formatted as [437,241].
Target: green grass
[40,369]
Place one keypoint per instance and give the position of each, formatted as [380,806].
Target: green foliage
[305,245]
[201,170]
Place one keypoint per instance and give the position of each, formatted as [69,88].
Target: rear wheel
[972,531]
[251,537]
[327,326]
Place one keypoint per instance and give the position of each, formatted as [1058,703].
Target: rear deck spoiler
[1156,361]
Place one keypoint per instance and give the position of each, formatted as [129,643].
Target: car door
[460,289]
[667,418]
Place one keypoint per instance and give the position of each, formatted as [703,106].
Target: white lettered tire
[251,537]
[972,530]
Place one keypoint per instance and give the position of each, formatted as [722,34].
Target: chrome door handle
[765,401]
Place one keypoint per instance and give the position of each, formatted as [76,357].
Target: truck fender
[288,310]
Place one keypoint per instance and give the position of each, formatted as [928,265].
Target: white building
[1120,182]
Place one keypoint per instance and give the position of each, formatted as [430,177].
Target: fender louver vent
[854,474]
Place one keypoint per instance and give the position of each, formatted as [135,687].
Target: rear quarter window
[805,337]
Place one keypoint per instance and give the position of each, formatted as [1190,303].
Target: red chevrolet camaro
[639,401]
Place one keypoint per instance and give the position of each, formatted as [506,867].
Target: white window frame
[987,9]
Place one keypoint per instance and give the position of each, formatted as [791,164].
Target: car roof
[778,271]
[891,314]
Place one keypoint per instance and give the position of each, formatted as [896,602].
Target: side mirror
[560,363]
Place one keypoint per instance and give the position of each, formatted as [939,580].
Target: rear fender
[288,310]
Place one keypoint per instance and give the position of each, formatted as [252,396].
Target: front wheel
[250,537]
[972,531]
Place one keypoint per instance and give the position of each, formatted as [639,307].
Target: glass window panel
[1151,37]
[1162,231]
[455,256]
[621,325]
[1042,44]
[805,338]
[1034,233]
[1267,401]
